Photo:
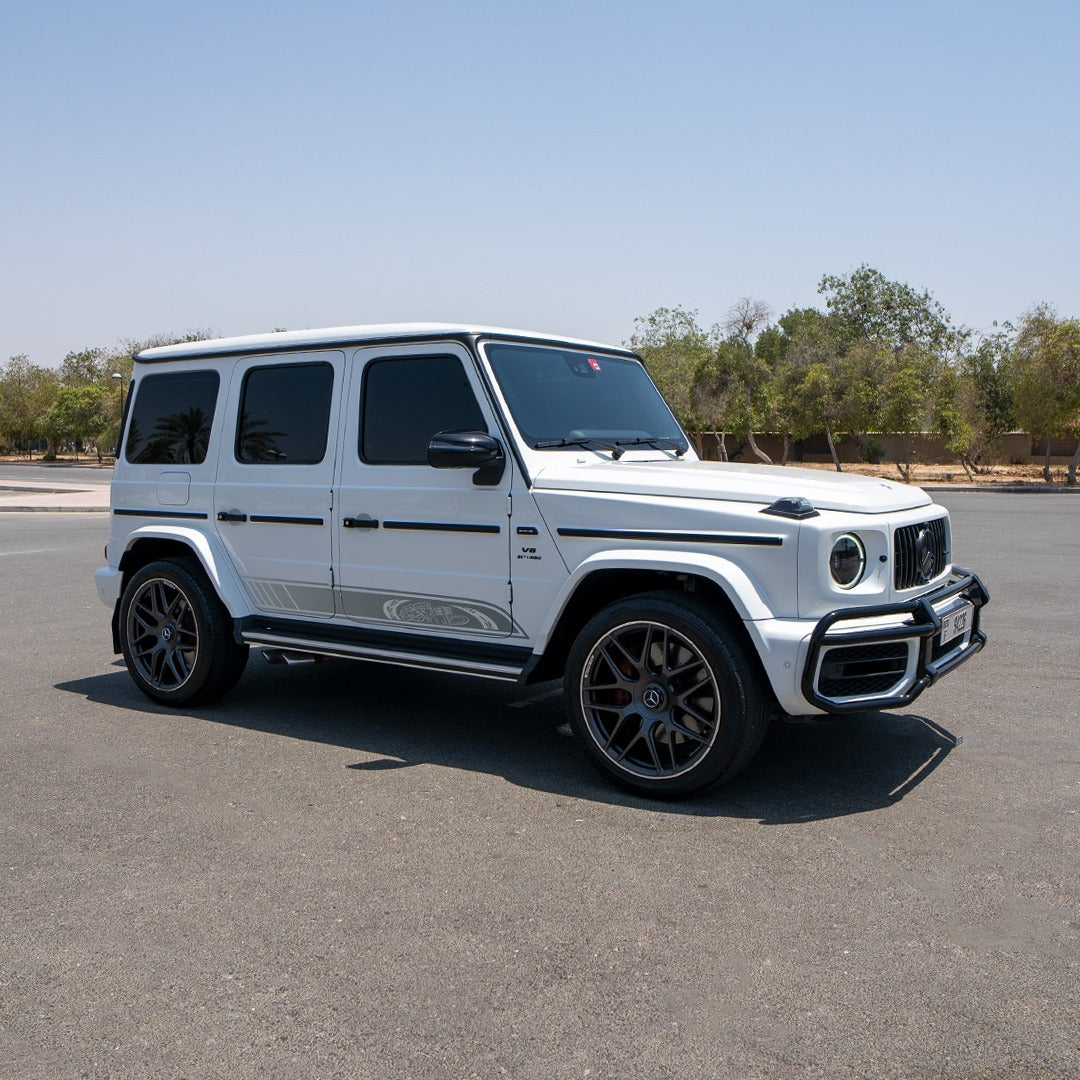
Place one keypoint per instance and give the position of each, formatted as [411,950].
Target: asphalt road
[343,870]
[42,473]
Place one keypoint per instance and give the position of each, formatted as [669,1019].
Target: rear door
[273,493]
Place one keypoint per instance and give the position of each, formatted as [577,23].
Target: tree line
[75,407]
[877,356]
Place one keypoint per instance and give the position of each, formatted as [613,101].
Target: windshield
[563,397]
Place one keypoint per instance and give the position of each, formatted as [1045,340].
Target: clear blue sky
[557,166]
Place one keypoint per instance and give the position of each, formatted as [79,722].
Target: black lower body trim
[434,651]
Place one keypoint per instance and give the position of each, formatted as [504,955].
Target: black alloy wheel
[177,636]
[664,698]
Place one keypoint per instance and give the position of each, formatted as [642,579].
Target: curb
[1004,489]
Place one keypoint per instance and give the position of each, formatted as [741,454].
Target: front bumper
[885,657]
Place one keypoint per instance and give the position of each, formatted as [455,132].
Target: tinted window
[171,418]
[285,414]
[407,401]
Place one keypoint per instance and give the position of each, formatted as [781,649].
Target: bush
[873,452]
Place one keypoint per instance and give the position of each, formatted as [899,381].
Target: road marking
[30,551]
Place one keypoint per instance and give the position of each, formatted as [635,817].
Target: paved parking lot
[346,870]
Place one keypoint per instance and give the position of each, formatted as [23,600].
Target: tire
[177,636]
[664,699]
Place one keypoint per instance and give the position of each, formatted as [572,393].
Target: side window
[285,414]
[171,418]
[407,400]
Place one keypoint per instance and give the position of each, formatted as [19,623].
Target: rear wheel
[177,636]
[664,699]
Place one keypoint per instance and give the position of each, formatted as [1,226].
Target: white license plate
[957,622]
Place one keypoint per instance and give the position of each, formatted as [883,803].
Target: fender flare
[744,594]
[211,554]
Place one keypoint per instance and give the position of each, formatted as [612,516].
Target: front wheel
[665,700]
[176,635]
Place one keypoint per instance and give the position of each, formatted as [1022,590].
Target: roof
[339,336]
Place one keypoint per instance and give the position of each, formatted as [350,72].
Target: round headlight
[847,561]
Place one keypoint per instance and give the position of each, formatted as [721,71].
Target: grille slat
[859,670]
[914,542]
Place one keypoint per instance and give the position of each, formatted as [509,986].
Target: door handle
[231,515]
[359,523]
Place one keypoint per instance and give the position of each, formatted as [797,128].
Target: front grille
[921,552]
[860,670]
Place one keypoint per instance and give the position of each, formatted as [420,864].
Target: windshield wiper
[649,440]
[550,444]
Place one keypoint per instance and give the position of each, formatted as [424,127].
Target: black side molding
[441,526]
[663,536]
[190,515]
[273,519]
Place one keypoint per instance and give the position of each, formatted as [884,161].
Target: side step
[291,642]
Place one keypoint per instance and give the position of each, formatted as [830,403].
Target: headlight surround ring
[847,561]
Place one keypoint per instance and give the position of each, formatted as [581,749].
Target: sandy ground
[991,475]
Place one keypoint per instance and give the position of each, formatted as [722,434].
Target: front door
[273,493]
[419,550]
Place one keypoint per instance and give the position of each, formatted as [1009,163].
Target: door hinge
[509,505]
[509,593]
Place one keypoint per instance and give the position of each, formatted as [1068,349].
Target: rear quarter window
[171,418]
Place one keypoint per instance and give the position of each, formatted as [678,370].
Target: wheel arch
[151,543]
[612,576]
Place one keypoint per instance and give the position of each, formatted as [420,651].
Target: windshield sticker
[594,364]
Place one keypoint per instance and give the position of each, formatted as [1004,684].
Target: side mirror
[468,450]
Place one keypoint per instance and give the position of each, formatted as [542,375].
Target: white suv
[513,506]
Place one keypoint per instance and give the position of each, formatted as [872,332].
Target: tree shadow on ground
[806,771]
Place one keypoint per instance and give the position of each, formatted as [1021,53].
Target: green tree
[78,414]
[674,348]
[750,399]
[866,304]
[803,352]
[898,346]
[26,395]
[86,367]
[1046,362]
[976,406]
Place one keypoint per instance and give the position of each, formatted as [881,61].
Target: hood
[732,482]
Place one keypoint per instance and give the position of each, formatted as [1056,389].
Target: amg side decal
[289,597]
[461,615]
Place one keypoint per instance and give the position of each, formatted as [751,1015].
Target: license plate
[957,622]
